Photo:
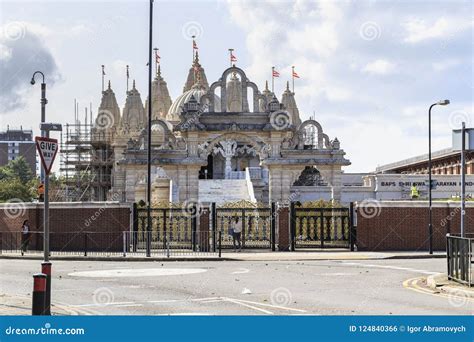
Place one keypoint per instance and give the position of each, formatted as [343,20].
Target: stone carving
[227,149]
[309,177]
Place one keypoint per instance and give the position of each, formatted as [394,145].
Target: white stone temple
[226,141]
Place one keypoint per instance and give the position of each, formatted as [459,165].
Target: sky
[368,69]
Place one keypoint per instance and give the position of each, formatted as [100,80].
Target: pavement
[270,287]
[251,255]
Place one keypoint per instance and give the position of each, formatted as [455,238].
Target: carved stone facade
[220,133]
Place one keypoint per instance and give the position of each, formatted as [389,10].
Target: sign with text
[47,149]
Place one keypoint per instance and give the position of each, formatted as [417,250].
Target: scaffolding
[86,162]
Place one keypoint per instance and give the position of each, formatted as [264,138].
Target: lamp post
[45,265]
[148,183]
[430,224]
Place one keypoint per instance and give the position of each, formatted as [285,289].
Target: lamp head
[32,81]
[443,102]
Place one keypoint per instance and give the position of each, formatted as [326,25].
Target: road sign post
[47,149]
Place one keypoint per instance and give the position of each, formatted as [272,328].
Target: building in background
[16,143]
[444,162]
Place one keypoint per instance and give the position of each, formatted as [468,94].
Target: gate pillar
[284,229]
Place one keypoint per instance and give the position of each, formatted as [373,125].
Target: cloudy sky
[369,69]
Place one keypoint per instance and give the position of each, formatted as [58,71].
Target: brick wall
[403,226]
[283,229]
[73,226]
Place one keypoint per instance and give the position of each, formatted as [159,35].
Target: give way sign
[47,149]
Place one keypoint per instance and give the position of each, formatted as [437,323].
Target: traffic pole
[46,269]
[39,292]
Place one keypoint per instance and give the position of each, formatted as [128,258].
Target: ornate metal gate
[258,223]
[317,227]
[173,226]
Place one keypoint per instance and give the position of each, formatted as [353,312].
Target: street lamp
[46,264]
[430,224]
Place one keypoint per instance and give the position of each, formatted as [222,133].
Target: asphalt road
[372,287]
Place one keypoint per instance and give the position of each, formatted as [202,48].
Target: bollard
[39,291]
[46,269]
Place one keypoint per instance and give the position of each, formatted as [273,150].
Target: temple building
[229,141]
[216,142]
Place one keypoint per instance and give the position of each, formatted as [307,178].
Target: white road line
[164,301]
[104,304]
[390,267]
[241,271]
[127,305]
[248,306]
[272,306]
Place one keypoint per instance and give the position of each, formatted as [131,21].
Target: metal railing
[168,243]
[111,243]
[459,253]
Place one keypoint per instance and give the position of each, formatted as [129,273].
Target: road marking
[412,284]
[390,267]
[141,272]
[127,305]
[271,305]
[247,305]
[100,304]
[241,271]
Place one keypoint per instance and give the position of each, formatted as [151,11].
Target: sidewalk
[440,282]
[253,255]
[21,305]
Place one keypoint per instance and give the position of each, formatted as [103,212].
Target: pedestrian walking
[25,236]
[237,234]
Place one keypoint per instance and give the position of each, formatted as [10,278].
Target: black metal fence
[71,243]
[321,227]
[459,252]
[170,243]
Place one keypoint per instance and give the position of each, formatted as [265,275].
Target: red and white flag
[232,57]
[195,47]
[275,73]
[157,57]
[295,75]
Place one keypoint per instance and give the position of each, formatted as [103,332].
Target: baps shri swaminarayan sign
[47,149]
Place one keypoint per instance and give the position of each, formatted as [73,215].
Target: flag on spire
[232,57]
[295,75]
[128,73]
[157,56]
[275,73]
[103,70]
[195,47]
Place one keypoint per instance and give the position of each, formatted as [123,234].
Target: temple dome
[197,90]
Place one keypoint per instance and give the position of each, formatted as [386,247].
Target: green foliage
[17,181]
[15,189]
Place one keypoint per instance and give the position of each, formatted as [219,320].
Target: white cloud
[323,40]
[379,67]
[418,30]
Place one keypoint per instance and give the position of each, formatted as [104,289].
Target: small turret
[108,115]
[234,94]
[289,103]
[133,117]
[161,98]
[195,72]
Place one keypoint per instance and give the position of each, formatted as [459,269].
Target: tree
[15,189]
[17,181]
[17,168]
